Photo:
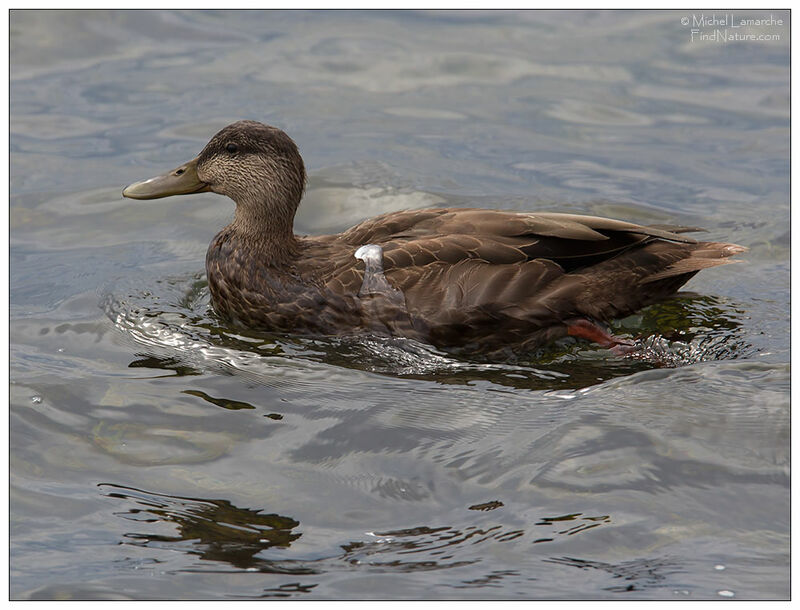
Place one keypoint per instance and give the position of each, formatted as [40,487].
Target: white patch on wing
[375,282]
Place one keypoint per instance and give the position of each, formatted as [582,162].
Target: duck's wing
[458,266]
[420,237]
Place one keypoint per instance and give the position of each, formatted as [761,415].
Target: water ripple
[175,320]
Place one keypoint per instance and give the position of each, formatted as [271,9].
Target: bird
[483,281]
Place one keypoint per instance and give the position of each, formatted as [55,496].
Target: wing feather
[463,269]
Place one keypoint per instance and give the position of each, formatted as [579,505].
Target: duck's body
[480,279]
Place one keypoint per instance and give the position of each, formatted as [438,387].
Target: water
[157,453]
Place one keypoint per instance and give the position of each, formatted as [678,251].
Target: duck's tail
[634,279]
[706,254]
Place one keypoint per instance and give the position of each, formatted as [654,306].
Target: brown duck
[474,279]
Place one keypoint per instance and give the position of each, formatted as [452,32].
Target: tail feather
[678,228]
[709,254]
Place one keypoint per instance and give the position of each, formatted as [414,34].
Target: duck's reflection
[214,530]
[634,575]
[218,531]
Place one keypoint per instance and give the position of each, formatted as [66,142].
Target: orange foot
[584,329]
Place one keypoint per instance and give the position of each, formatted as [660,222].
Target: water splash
[174,321]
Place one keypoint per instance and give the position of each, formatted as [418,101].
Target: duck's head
[256,165]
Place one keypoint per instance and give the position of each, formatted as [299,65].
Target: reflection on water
[634,575]
[487,505]
[214,530]
[250,541]
[166,364]
[233,405]
[583,524]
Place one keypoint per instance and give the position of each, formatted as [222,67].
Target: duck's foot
[585,329]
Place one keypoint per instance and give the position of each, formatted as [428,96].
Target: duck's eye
[232,148]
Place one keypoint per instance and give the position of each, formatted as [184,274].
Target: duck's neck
[267,230]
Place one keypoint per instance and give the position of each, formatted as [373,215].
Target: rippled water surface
[158,453]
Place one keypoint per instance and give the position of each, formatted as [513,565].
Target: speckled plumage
[478,279]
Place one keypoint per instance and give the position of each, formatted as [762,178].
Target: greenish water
[156,453]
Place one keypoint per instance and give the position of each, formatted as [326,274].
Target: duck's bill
[182,180]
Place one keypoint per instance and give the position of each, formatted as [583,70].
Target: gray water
[157,453]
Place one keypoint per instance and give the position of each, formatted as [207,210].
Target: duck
[478,280]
